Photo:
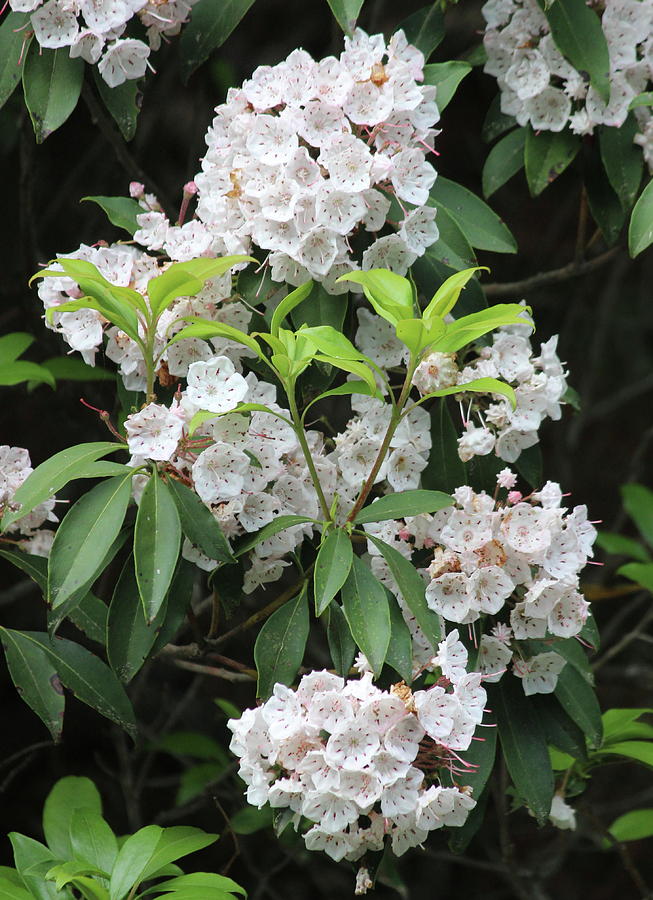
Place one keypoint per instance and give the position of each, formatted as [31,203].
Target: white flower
[539,675]
[123,59]
[218,472]
[214,385]
[561,814]
[155,431]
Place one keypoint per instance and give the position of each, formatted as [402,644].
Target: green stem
[303,443]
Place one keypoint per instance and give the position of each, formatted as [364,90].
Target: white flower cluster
[93,30]
[334,751]
[15,466]
[305,155]
[539,86]
[520,558]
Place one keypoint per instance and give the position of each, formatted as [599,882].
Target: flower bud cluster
[93,30]
[308,154]
[516,561]
[15,466]
[361,763]
[539,86]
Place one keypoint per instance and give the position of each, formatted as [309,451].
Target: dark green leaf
[622,159]
[496,123]
[638,503]
[341,644]
[578,699]
[480,225]
[36,679]
[411,586]
[424,29]
[577,32]
[524,745]
[268,531]
[605,206]
[68,794]
[365,606]
[400,648]
[90,680]
[402,504]
[452,247]
[321,309]
[459,838]
[157,539]
[90,616]
[346,12]
[211,24]
[529,466]
[547,155]
[123,103]
[280,644]
[445,470]
[34,566]
[249,820]
[92,839]
[12,39]
[504,160]
[446,77]
[560,729]
[191,743]
[120,211]
[590,632]
[195,779]
[331,568]
[177,604]
[197,523]
[52,83]
[84,538]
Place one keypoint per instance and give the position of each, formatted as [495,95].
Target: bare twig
[554,276]
[225,674]
[625,640]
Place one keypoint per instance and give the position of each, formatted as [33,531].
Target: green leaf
[17,372]
[446,296]
[411,587]
[250,820]
[120,211]
[157,539]
[289,302]
[547,155]
[68,795]
[606,207]
[640,751]
[191,743]
[620,545]
[577,32]
[53,474]
[206,329]
[402,504]
[446,77]
[504,160]
[84,538]
[644,99]
[478,386]
[445,471]
[452,247]
[12,39]
[70,368]
[268,531]
[332,566]
[197,523]
[622,159]
[133,858]
[480,757]
[177,604]
[52,83]
[638,503]
[390,294]
[355,368]
[206,880]
[210,25]
[578,699]
[640,573]
[321,309]
[90,680]
[36,680]
[470,328]
[129,637]
[524,746]
[560,730]
[175,842]
[33,861]
[633,825]
[34,566]
[424,29]
[14,345]
[77,875]
[344,390]
[330,342]
[346,12]
[618,722]
[280,644]
[365,606]
[496,122]
[400,649]
[123,103]
[185,279]
[92,839]
[341,644]
[529,466]
[12,891]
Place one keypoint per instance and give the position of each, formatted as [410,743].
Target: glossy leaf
[452,247]
[400,649]
[446,77]
[496,122]
[446,296]
[390,294]
[288,304]
[173,844]
[359,369]
[341,644]
[321,308]
[577,32]
[92,839]
[445,471]
[332,566]
[617,722]
[411,586]
[185,279]
[547,154]
[524,746]
[33,860]
[54,473]
[120,211]
[206,329]
[134,856]
[605,206]
[346,12]
[68,795]
[268,531]
[405,503]
[122,101]
[638,503]
[560,730]
[280,645]
[504,160]
[10,890]
[90,680]
[470,328]
[477,386]
[35,679]
[157,539]
[52,83]
[578,699]
[211,24]
[177,603]
[480,225]
[84,538]
[622,159]
[365,606]
[12,37]
[330,342]
[424,29]
[197,523]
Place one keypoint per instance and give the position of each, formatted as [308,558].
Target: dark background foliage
[605,322]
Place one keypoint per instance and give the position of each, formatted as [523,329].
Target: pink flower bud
[190,188]
[514,496]
[136,189]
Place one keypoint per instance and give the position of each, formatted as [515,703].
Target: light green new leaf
[52,83]
[21,370]
[120,211]
[197,523]
[633,826]
[470,328]
[33,860]
[621,545]
[355,368]
[206,329]
[446,296]
[175,842]
[419,334]
[289,302]
[210,25]
[402,504]
[133,858]
[206,881]
[279,647]
[84,538]
[577,32]
[330,342]
[640,230]
[618,724]
[157,539]
[365,605]
[638,503]
[334,560]
[12,36]
[14,345]
[92,839]
[36,679]
[640,751]
[547,155]
[504,160]
[346,12]
[9,890]
[68,795]
[342,390]
[446,77]
[390,294]
[69,368]
[185,279]
[477,386]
